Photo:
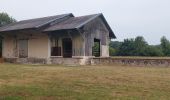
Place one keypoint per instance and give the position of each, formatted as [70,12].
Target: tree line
[139,47]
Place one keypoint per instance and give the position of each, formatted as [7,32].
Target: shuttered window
[23,48]
[55,48]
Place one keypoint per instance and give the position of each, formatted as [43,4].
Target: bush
[112,51]
[153,51]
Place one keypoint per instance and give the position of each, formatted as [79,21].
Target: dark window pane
[56,51]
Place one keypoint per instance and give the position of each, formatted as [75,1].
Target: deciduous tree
[6,19]
[165,44]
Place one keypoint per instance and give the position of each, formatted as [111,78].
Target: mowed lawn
[54,82]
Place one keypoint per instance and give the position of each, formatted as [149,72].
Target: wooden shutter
[23,48]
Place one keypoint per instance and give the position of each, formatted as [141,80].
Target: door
[23,48]
[67,47]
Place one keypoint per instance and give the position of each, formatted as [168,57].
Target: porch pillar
[49,49]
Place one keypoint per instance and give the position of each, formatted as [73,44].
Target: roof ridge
[53,20]
[95,15]
[43,17]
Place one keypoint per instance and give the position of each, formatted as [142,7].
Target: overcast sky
[127,18]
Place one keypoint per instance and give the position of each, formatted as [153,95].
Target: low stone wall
[127,61]
[10,60]
[26,60]
[70,61]
[52,60]
[160,62]
[65,61]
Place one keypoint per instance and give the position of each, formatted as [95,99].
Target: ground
[54,82]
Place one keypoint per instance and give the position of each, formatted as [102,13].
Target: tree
[153,51]
[140,46]
[112,51]
[127,48]
[115,44]
[114,47]
[133,47]
[5,19]
[165,45]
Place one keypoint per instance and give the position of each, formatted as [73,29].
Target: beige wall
[8,46]
[37,45]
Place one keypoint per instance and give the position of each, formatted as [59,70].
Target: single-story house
[56,39]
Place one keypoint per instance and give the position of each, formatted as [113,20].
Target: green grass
[50,82]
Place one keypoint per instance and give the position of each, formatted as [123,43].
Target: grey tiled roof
[32,23]
[64,23]
[78,22]
[72,23]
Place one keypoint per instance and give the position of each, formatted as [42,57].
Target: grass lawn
[49,82]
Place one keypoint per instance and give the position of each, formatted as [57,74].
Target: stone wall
[53,60]
[26,60]
[65,61]
[156,62]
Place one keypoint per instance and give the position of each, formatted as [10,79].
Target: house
[61,39]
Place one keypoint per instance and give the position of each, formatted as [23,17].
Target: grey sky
[128,18]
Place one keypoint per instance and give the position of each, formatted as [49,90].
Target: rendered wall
[37,45]
[8,47]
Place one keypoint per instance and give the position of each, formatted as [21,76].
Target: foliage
[114,48]
[115,44]
[96,49]
[112,51]
[127,48]
[153,51]
[165,44]
[139,47]
[133,47]
[5,19]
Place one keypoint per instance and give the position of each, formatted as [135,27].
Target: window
[55,48]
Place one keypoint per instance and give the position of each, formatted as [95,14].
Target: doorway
[67,47]
[23,48]
[96,48]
